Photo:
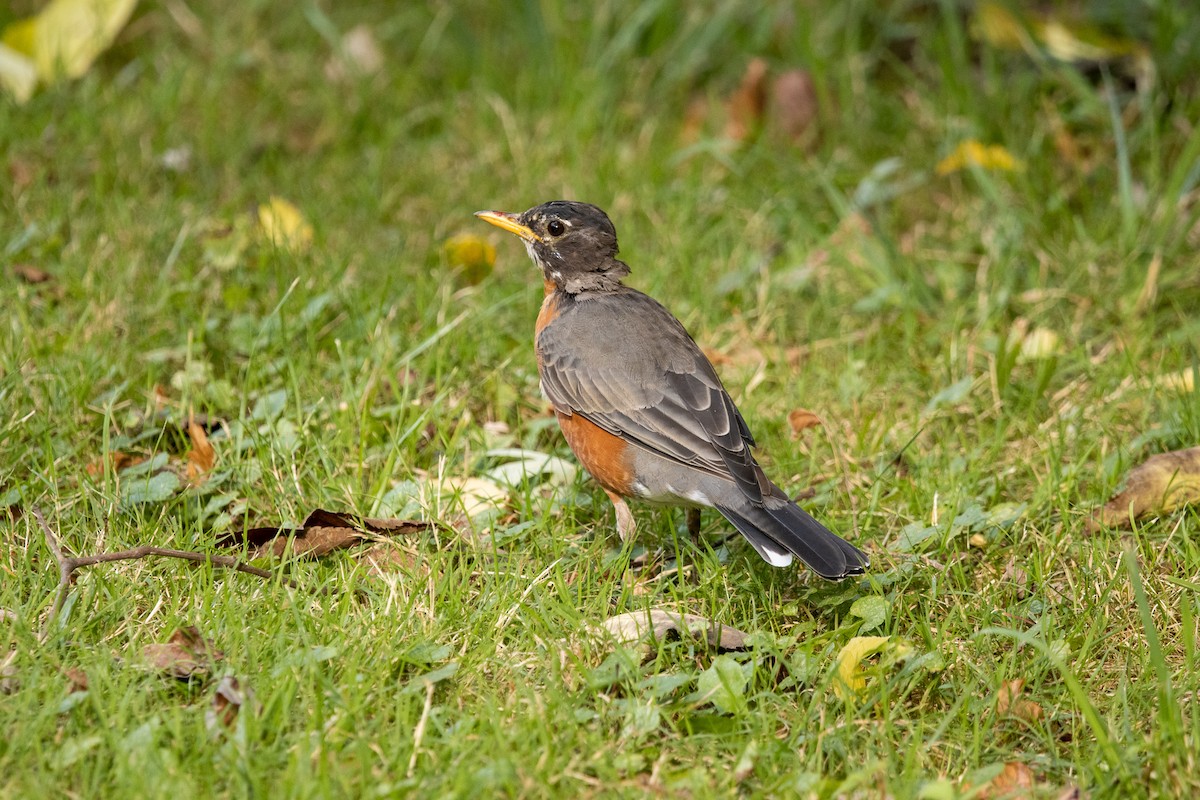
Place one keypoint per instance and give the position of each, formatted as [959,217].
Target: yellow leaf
[997,26]
[1183,381]
[848,677]
[471,256]
[973,153]
[1162,483]
[284,226]
[66,37]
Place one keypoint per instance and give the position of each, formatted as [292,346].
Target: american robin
[640,404]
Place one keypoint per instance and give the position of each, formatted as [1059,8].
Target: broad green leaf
[873,610]
[724,684]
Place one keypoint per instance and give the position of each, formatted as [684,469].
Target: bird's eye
[556,228]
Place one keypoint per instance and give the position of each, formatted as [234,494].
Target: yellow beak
[510,223]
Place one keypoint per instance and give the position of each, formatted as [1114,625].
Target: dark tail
[787,530]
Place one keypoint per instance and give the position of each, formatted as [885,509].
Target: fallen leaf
[358,55]
[228,699]
[1039,344]
[475,496]
[30,273]
[384,559]
[77,679]
[1010,702]
[794,106]
[996,25]
[282,224]
[470,256]
[20,171]
[848,679]
[322,532]
[18,74]
[972,153]
[1161,484]
[202,457]
[1013,781]
[117,460]
[746,104]
[187,654]
[653,625]
[800,419]
[66,36]
[1183,381]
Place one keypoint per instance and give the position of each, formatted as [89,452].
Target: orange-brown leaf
[746,105]
[30,274]
[800,419]
[202,456]
[1015,780]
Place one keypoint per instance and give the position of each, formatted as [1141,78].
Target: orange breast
[607,457]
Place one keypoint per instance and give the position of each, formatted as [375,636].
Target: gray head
[574,244]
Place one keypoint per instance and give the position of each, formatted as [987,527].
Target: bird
[640,404]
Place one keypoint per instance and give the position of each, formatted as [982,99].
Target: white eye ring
[556,228]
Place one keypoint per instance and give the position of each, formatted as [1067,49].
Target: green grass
[881,296]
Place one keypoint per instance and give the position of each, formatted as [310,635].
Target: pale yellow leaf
[18,73]
[848,679]
[1040,344]
[284,226]
[66,37]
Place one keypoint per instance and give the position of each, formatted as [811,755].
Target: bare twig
[67,565]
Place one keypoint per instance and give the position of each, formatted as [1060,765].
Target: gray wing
[623,362]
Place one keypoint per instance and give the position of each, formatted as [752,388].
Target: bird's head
[574,244]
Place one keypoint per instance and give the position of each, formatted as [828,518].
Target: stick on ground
[67,565]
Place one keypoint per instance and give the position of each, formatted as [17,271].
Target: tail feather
[783,531]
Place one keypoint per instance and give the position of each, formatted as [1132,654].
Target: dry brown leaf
[77,679]
[1161,484]
[746,104]
[228,700]
[1009,701]
[384,559]
[30,274]
[647,627]
[202,457]
[1071,793]
[187,654]
[1015,780]
[794,106]
[20,172]
[800,419]
[322,532]
[117,461]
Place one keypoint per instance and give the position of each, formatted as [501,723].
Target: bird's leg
[693,523]
[626,524]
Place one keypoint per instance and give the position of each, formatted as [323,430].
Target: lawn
[957,305]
